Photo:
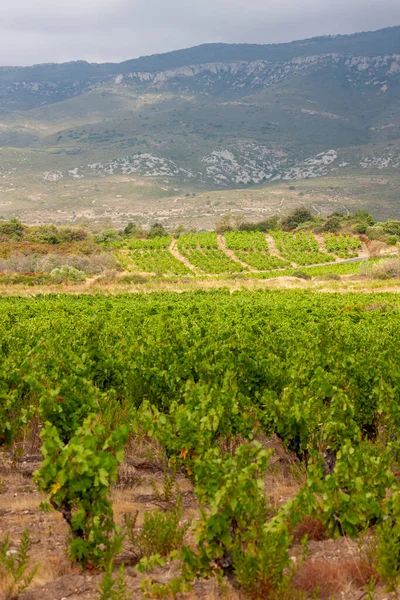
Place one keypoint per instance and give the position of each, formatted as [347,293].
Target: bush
[301,275]
[385,269]
[132,230]
[376,232]
[270,224]
[72,234]
[43,234]
[12,229]
[77,473]
[156,230]
[106,236]
[392,240]
[298,216]
[332,224]
[160,533]
[67,273]
[17,263]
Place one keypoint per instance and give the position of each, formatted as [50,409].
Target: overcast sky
[34,31]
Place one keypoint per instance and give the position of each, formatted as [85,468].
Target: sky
[37,31]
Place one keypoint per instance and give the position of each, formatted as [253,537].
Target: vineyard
[301,248]
[202,251]
[344,246]
[212,383]
[252,248]
[237,252]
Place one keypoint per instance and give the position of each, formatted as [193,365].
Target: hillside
[173,136]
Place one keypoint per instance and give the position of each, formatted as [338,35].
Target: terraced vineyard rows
[203,252]
[301,248]
[252,248]
[151,256]
[344,246]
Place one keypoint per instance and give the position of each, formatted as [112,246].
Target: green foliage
[12,229]
[235,534]
[169,483]
[133,230]
[67,273]
[14,565]
[351,497]
[204,416]
[113,589]
[107,236]
[160,533]
[333,224]
[203,372]
[298,216]
[302,248]
[265,225]
[156,230]
[77,475]
[43,234]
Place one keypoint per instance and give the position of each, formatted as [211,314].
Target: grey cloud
[114,30]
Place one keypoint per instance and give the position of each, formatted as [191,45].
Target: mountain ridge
[180,122]
[248,51]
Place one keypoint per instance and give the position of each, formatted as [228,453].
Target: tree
[332,224]
[224,224]
[156,230]
[295,218]
[133,230]
[12,229]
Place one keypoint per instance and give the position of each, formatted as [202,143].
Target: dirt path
[173,248]
[273,250]
[230,253]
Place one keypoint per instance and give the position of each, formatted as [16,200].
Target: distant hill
[213,117]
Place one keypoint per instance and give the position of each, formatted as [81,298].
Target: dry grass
[332,578]
[348,283]
[385,269]
[310,527]
[375,248]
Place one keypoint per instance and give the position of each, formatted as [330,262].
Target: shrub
[43,234]
[106,236]
[17,263]
[332,224]
[160,533]
[72,234]
[298,216]
[384,269]
[67,273]
[14,565]
[392,240]
[234,535]
[12,229]
[301,275]
[133,230]
[156,230]
[269,224]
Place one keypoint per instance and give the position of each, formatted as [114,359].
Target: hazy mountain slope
[212,117]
